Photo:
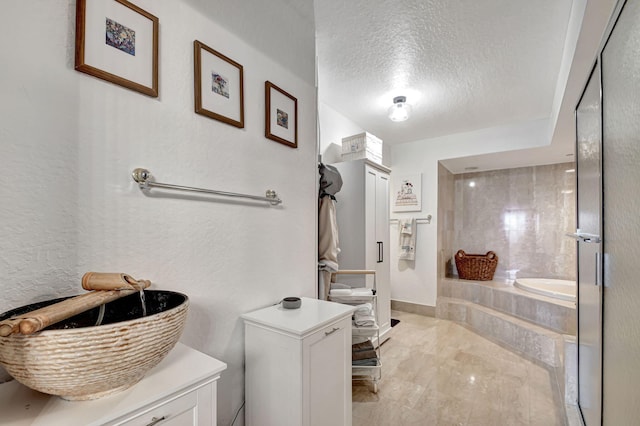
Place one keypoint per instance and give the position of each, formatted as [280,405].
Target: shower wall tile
[521,214]
[446,222]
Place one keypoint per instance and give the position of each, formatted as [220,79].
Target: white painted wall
[585,30]
[333,127]
[416,282]
[68,144]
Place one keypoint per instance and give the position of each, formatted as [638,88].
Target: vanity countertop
[183,367]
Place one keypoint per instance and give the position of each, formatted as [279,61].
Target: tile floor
[436,372]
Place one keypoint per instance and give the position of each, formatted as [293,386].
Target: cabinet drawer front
[180,411]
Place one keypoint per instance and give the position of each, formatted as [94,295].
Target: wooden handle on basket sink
[9,326]
[112,281]
[34,321]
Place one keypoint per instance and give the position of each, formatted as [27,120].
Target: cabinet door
[372,244]
[327,389]
[383,266]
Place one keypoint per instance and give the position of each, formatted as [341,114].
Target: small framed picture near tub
[281,115]
[218,86]
[117,41]
[408,193]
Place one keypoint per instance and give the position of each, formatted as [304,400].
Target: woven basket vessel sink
[77,360]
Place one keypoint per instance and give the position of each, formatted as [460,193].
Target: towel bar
[426,220]
[143,178]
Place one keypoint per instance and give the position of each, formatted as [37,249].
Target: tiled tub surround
[556,315]
[521,214]
[537,327]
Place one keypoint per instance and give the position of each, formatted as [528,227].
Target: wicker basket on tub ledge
[479,267]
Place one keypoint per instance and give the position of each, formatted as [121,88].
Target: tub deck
[557,289]
[537,327]
[548,312]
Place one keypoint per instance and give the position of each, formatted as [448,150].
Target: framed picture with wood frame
[218,86]
[281,115]
[117,41]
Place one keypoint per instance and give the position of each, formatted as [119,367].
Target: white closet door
[372,248]
[382,237]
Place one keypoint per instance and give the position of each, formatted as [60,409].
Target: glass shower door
[589,223]
[621,167]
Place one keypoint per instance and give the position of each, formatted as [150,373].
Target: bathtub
[558,289]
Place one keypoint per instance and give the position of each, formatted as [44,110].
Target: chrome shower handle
[585,237]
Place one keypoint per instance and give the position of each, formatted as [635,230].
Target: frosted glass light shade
[400,110]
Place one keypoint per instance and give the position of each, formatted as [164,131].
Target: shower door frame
[597,67]
[594,398]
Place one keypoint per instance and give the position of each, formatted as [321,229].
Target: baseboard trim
[413,308]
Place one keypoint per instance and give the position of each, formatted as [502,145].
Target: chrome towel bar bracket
[144,178]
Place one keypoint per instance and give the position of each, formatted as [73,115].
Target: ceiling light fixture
[400,110]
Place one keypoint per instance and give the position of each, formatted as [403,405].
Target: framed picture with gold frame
[117,41]
[218,86]
[281,115]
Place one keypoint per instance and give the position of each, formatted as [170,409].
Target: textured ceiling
[463,65]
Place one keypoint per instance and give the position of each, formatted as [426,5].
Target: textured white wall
[333,127]
[416,282]
[68,144]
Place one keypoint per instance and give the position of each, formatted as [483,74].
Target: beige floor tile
[436,372]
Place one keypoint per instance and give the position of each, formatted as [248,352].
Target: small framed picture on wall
[281,115]
[117,41]
[218,86]
[407,195]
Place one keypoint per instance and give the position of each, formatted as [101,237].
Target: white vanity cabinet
[179,391]
[298,365]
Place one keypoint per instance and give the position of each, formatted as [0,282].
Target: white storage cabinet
[362,209]
[179,391]
[298,365]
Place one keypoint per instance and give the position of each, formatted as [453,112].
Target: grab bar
[143,178]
